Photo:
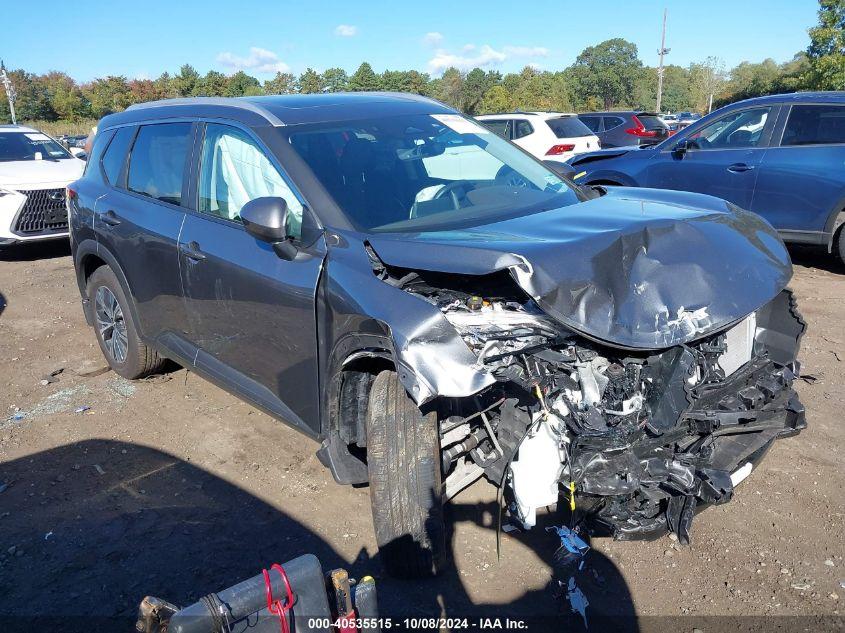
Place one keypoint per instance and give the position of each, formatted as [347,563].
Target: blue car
[781,156]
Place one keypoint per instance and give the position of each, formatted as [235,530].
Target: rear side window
[611,122]
[652,122]
[115,156]
[815,125]
[568,127]
[592,122]
[522,128]
[499,127]
[157,162]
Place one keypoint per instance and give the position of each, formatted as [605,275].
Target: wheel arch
[90,255]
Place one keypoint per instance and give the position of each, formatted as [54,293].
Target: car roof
[542,115]
[618,113]
[828,96]
[282,110]
[17,128]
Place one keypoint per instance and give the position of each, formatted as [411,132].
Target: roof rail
[234,102]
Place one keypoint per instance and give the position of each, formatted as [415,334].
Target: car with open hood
[433,305]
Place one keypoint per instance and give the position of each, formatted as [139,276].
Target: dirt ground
[111,490]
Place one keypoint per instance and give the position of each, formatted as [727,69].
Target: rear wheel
[116,331]
[403,460]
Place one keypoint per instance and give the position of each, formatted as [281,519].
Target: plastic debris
[577,600]
[3,486]
[48,535]
[572,549]
[99,469]
[82,409]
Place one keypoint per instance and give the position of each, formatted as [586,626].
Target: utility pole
[663,51]
[10,91]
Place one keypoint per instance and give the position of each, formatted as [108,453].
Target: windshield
[425,172]
[28,145]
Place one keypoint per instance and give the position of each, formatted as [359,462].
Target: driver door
[251,313]
[722,159]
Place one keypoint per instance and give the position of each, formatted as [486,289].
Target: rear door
[139,218]
[252,314]
[722,158]
[613,132]
[802,178]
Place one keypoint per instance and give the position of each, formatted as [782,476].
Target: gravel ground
[111,490]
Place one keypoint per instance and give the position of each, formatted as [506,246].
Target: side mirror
[266,220]
[682,148]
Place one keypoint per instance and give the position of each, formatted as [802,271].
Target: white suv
[553,136]
[34,171]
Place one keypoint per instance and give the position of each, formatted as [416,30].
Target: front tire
[115,328]
[403,460]
[839,245]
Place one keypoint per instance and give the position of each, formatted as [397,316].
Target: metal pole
[10,92]
[663,50]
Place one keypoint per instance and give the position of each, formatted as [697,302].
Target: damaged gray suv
[433,305]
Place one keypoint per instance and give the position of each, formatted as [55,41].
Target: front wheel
[403,460]
[839,245]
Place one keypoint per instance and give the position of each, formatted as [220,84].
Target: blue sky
[91,39]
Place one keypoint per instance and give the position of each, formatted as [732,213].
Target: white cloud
[432,39]
[485,56]
[259,60]
[346,30]
[526,51]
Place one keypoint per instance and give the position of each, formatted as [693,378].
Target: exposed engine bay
[636,441]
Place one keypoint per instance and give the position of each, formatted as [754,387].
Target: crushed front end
[637,441]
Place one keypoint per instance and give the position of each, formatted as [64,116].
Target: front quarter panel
[357,311]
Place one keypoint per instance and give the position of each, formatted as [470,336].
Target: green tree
[66,99]
[142,90]
[707,81]
[281,84]
[242,85]
[33,98]
[309,82]
[186,83]
[448,88]
[496,99]
[475,85]
[364,79]
[826,52]
[213,84]
[107,95]
[335,80]
[607,71]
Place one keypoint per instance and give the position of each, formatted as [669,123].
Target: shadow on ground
[815,257]
[79,544]
[31,251]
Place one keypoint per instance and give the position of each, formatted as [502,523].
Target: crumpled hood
[635,268]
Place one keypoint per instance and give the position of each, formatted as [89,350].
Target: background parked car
[34,171]
[621,129]
[547,135]
[780,156]
[671,121]
[687,118]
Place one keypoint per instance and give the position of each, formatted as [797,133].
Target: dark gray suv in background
[624,128]
[434,305]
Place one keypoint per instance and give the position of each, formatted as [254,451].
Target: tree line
[609,75]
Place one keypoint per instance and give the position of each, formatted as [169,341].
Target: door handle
[738,168]
[191,250]
[110,218]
